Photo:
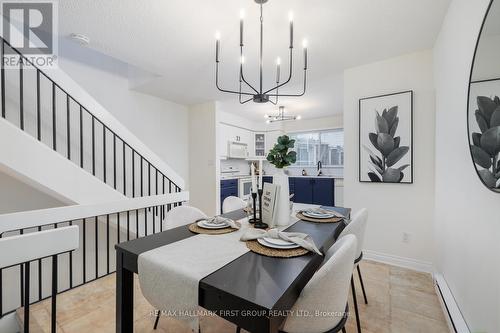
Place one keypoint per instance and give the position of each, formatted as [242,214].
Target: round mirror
[484,101]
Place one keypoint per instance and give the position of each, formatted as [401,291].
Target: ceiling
[174,39]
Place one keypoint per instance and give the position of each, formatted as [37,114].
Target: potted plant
[281,157]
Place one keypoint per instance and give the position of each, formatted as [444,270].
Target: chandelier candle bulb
[242,17]
[291,29]
[217,46]
[304,44]
[278,66]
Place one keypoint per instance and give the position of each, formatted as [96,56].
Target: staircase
[116,187]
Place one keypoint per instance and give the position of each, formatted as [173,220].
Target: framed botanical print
[386,138]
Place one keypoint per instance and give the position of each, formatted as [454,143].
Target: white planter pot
[282,207]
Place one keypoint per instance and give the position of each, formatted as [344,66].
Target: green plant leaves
[381,124]
[396,155]
[480,157]
[490,141]
[279,155]
[385,143]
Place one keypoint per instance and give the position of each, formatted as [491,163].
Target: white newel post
[282,207]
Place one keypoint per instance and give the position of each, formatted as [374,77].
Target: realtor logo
[31,28]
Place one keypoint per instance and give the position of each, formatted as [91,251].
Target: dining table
[254,291]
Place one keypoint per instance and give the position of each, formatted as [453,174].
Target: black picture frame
[360,148]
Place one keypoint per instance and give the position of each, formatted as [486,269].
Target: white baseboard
[417,265]
[454,317]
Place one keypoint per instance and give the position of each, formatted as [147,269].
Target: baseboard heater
[454,317]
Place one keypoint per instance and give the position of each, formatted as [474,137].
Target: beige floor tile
[399,301]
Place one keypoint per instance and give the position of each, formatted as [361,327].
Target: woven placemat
[256,247]
[310,219]
[194,228]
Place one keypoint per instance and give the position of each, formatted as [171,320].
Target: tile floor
[400,301]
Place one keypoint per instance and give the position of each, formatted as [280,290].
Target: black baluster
[124,171]
[114,160]
[40,267]
[21,96]
[104,151]
[145,222]
[118,223]
[154,221]
[84,251]
[93,145]
[81,137]
[54,125]
[107,243]
[27,298]
[137,224]
[3,78]
[71,265]
[96,248]
[133,173]
[128,225]
[54,295]
[38,110]
[68,125]
[21,268]
[1,289]
[149,179]
[142,185]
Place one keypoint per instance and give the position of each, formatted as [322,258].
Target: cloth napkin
[299,238]
[219,220]
[324,211]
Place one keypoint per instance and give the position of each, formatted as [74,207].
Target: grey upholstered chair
[357,227]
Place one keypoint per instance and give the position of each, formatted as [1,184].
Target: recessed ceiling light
[80,39]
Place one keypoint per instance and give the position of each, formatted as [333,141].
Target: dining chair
[326,292]
[357,227]
[176,217]
[182,215]
[232,203]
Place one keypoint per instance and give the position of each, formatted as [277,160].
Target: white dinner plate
[205,225]
[286,246]
[318,215]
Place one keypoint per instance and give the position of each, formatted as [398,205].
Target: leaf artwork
[279,156]
[485,146]
[389,146]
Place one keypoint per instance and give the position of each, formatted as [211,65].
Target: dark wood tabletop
[253,291]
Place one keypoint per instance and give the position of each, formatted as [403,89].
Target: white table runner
[169,275]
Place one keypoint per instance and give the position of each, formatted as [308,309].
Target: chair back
[327,291]
[232,203]
[182,215]
[357,227]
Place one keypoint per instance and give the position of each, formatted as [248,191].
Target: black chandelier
[260,95]
[280,116]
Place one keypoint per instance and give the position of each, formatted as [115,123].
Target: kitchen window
[326,146]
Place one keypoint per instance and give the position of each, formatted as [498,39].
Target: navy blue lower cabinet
[317,191]
[267,179]
[303,190]
[323,191]
[228,187]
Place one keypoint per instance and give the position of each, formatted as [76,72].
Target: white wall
[16,196]
[467,223]
[203,169]
[394,209]
[161,125]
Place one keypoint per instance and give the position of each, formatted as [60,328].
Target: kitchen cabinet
[228,187]
[267,179]
[260,145]
[228,133]
[311,190]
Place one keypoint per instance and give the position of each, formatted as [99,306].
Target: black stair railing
[94,147]
[94,259]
